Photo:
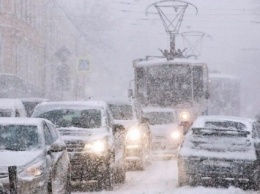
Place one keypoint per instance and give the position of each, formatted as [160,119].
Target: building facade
[39,47]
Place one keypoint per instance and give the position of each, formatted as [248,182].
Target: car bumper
[133,153]
[26,186]
[87,166]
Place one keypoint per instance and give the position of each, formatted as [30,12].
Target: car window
[121,111]
[17,114]
[70,117]
[160,118]
[109,117]
[47,134]
[19,137]
[256,130]
[53,131]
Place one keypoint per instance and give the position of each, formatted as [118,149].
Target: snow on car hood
[127,123]
[163,130]
[74,133]
[18,158]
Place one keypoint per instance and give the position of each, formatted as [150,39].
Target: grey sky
[126,35]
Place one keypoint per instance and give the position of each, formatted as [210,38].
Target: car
[34,148]
[30,104]
[220,149]
[12,108]
[87,127]
[167,134]
[138,134]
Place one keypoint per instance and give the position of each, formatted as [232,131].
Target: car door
[59,159]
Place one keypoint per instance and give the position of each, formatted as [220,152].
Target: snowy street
[161,177]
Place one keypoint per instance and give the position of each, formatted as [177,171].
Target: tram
[181,84]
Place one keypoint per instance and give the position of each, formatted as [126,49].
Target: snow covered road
[161,177]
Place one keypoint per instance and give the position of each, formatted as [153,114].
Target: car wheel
[121,175]
[68,185]
[49,187]
[182,179]
[140,165]
[109,179]
[106,181]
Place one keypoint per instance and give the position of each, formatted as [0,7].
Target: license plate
[216,163]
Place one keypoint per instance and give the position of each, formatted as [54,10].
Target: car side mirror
[118,128]
[57,146]
[144,120]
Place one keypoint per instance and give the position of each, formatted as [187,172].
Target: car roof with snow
[10,102]
[49,106]
[157,109]
[201,121]
[22,121]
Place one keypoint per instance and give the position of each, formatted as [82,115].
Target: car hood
[127,123]
[163,130]
[74,133]
[18,158]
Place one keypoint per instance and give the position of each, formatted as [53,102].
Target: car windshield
[159,118]
[19,137]
[89,118]
[121,112]
[5,112]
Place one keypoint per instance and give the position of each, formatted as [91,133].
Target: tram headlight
[133,135]
[185,116]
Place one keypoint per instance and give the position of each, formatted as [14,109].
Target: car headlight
[185,116]
[176,135]
[34,170]
[134,134]
[98,146]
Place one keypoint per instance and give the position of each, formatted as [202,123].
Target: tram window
[198,86]
[140,78]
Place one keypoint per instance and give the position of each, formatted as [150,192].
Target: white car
[166,131]
[12,108]
[35,149]
[88,130]
[221,149]
[137,137]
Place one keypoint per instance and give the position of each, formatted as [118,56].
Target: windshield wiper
[14,149]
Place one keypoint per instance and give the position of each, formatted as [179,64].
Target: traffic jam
[179,129]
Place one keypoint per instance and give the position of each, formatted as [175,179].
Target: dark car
[138,135]
[96,156]
[220,149]
[35,149]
